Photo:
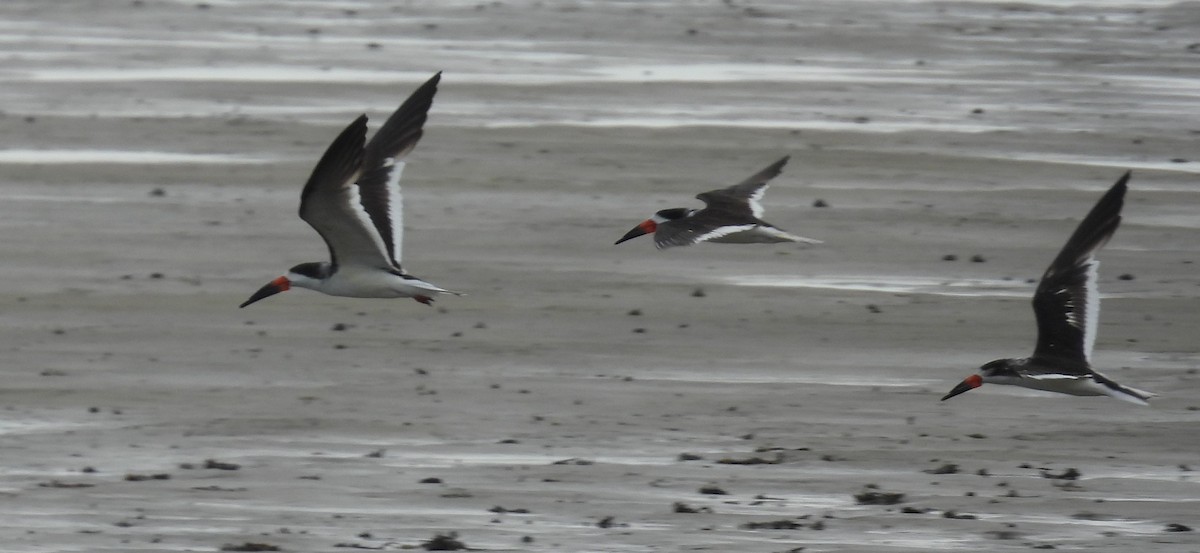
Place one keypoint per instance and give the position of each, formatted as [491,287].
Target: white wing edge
[1091,313]
[723,231]
[1055,376]
[354,201]
[755,200]
[395,206]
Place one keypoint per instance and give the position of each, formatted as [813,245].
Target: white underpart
[395,205]
[354,202]
[724,231]
[1073,385]
[754,200]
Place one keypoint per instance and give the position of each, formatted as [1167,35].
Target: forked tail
[1125,393]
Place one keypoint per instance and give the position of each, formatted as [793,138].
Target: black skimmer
[353,201]
[730,215]
[1067,307]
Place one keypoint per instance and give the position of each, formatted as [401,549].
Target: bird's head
[993,371]
[650,225]
[304,275]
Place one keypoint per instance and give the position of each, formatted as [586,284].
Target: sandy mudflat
[582,395]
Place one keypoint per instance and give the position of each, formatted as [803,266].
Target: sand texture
[585,396]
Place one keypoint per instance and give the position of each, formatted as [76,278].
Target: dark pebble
[220,465]
[713,490]
[444,542]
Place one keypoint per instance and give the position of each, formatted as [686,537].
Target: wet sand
[585,396]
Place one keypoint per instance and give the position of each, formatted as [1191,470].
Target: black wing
[742,199]
[328,202]
[379,185]
[1067,303]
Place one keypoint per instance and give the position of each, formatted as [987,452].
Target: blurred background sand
[585,396]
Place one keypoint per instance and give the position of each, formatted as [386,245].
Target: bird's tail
[1126,393]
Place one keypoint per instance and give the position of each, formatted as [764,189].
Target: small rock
[948,468]
[681,507]
[1176,527]
[1069,474]
[820,203]
[502,510]
[444,542]
[144,477]
[878,498]
[220,465]
[782,524]
[250,546]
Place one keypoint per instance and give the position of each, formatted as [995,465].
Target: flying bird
[730,215]
[352,199]
[1067,307]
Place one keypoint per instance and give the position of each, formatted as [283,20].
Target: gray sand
[572,380]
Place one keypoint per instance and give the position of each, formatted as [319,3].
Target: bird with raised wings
[1067,307]
[353,200]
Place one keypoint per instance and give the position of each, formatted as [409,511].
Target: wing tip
[1124,178]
